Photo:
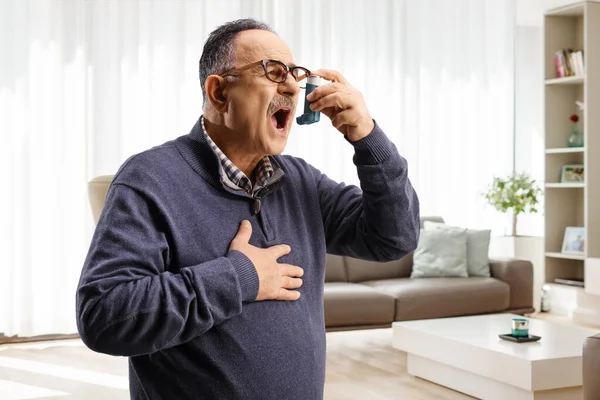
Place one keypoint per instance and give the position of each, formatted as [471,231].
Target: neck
[228,140]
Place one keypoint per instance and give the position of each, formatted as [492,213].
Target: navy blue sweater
[160,286]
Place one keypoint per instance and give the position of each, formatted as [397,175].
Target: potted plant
[517,194]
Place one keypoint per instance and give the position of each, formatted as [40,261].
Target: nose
[290,87]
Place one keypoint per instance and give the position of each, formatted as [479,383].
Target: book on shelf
[569,63]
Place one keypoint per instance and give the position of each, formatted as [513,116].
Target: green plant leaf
[516,194]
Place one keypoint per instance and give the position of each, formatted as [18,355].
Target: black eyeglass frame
[265,64]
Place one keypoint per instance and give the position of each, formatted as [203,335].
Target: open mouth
[280,117]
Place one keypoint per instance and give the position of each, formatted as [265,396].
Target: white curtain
[84,84]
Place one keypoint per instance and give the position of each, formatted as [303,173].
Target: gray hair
[218,55]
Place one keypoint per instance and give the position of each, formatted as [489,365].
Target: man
[207,265]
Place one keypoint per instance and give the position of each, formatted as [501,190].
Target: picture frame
[574,240]
[572,173]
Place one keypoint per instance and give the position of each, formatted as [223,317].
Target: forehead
[254,45]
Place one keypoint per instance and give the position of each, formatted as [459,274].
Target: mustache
[281,102]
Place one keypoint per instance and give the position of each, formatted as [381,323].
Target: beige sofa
[361,294]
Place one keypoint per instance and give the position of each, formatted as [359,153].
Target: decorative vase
[575,137]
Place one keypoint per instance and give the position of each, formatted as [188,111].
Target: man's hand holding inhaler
[343,104]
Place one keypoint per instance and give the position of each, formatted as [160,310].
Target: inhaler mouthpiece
[309,116]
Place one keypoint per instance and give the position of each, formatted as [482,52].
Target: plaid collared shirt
[263,171]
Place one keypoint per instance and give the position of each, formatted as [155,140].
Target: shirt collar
[263,171]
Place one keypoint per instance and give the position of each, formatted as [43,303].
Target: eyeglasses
[275,71]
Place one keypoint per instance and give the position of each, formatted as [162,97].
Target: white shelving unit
[576,27]
[573,185]
[570,80]
[564,150]
[565,256]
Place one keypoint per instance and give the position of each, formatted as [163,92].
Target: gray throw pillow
[441,253]
[478,247]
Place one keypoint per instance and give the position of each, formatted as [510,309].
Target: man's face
[260,110]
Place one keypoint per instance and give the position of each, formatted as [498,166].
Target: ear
[215,91]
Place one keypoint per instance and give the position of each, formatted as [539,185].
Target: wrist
[246,273]
[362,132]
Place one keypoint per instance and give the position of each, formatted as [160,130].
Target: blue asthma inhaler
[309,116]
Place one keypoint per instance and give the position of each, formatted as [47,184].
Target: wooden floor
[363,365]
[360,365]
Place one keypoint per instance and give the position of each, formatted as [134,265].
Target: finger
[291,283]
[346,117]
[330,112]
[243,234]
[285,294]
[280,250]
[330,75]
[291,270]
[325,90]
[337,99]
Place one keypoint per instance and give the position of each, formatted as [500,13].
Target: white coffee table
[466,354]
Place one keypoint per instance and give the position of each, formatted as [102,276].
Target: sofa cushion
[335,270]
[478,247]
[348,304]
[444,297]
[360,270]
[441,253]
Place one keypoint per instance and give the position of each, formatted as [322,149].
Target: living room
[483,108]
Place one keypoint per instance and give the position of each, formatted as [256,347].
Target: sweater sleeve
[128,304]
[379,222]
